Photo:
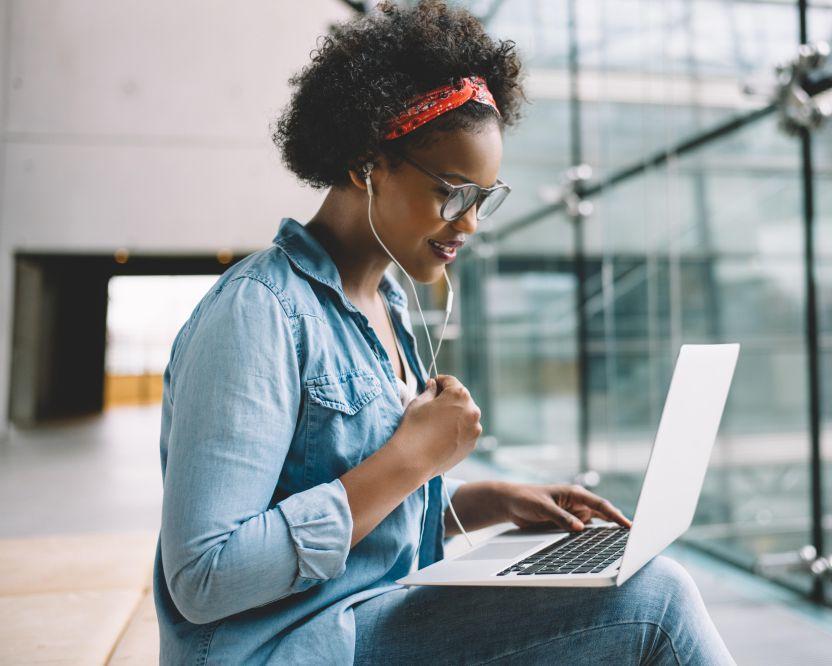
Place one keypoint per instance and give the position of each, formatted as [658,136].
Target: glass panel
[709,37]
[716,258]
[534,157]
[523,369]
[823,275]
[706,247]
[535,150]
[532,348]
[651,73]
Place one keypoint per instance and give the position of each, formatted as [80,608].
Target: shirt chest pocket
[343,423]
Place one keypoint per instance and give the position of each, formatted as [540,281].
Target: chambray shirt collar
[309,256]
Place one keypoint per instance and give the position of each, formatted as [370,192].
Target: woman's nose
[467,223]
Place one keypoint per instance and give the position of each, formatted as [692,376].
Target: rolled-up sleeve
[235,394]
[320,523]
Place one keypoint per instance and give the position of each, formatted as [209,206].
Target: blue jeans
[656,617]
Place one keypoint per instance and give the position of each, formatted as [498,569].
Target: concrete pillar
[6,281]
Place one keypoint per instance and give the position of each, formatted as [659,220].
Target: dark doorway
[60,323]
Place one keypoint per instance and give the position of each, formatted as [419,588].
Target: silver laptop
[606,554]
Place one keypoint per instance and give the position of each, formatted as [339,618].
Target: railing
[481,258]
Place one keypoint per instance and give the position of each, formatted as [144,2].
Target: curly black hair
[366,70]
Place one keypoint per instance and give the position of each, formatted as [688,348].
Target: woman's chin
[438,273]
[432,274]
[426,273]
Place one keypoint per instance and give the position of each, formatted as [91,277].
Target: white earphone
[367,170]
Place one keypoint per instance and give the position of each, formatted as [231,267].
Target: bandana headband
[433,103]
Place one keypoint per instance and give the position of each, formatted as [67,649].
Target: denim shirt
[275,387]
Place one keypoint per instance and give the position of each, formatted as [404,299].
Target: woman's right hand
[437,430]
[440,426]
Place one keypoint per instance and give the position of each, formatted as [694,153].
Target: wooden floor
[100,478]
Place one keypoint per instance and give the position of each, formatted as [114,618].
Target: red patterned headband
[428,106]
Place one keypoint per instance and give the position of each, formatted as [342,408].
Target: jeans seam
[211,640]
[373,644]
[205,641]
[669,640]
[581,631]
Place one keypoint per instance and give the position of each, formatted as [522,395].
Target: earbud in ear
[368,169]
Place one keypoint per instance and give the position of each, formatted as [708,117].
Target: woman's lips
[443,252]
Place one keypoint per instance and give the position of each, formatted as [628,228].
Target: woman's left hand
[553,505]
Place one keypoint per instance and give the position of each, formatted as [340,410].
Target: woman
[301,469]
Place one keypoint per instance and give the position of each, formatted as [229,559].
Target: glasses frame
[482,192]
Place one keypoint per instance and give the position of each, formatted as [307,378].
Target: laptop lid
[679,459]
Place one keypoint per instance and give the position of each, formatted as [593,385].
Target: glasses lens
[491,202]
[459,202]
[471,194]
[454,205]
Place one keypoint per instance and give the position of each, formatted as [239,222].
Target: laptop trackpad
[500,551]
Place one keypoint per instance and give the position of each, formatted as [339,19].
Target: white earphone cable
[448,307]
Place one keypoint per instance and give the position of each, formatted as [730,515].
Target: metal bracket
[482,244]
[569,192]
[798,109]
[588,479]
[804,559]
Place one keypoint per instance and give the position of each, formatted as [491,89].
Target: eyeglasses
[461,197]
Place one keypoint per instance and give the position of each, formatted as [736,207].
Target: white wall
[145,125]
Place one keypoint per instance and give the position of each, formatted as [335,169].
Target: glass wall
[702,245]
[819,26]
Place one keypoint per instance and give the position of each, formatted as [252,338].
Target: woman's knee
[673,602]
[677,579]
[665,589]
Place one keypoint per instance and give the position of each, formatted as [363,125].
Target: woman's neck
[342,228]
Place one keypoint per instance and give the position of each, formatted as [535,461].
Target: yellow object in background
[122,390]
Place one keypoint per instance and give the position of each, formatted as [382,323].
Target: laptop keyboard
[589,551]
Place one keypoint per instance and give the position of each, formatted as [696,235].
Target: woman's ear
[358,175]
[358,179]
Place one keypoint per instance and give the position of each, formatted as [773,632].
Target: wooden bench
[78,599]
[85,598]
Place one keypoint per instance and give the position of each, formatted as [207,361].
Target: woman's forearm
[477,504]
[380,483]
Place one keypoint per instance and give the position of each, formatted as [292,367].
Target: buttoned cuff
[320,523]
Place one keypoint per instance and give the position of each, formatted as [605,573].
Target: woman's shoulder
[257,292]
[272,269]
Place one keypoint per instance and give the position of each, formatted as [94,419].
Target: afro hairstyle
[364,72]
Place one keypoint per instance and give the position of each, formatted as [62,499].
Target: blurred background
[671,184]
